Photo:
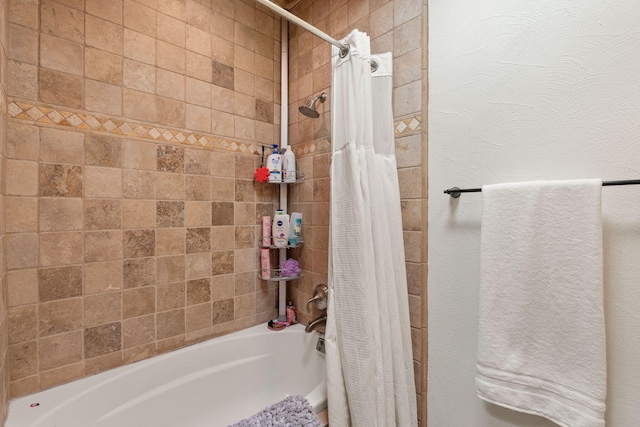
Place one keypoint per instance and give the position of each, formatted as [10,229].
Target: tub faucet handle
[319,298]
[313,324]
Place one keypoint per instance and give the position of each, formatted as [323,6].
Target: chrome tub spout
[313,324]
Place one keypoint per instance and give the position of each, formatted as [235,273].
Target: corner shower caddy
[276,273]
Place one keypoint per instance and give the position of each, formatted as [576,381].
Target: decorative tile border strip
[319,146]
[48,115]
[404,127]
[409,126]
[83,121]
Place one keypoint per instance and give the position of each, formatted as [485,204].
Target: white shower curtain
[368,338]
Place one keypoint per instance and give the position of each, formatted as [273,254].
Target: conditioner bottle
[289,166]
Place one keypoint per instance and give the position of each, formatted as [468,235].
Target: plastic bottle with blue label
[274,163]
[295,228]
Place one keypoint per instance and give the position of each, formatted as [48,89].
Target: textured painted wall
[522,91]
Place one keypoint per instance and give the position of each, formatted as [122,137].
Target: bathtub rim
[20,406]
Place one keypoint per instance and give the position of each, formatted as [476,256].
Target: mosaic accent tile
[408,126]
[404,127]
[44,114]
[314,147]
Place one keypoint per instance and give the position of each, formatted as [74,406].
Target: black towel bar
[455,191]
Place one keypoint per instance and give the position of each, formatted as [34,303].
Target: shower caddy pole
[284,137]
[284,104]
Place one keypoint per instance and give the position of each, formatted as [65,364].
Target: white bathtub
[214,383]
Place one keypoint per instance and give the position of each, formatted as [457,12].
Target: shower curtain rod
[344,48]
[455,191]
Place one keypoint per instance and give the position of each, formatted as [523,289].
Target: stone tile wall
[133,133]
[134,129]
[4,374]
[396,26]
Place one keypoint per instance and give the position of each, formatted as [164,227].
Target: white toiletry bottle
[274,163]
[280,229]
[289,166]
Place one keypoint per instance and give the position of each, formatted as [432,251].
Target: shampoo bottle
[289,166]
[280,229]
[274,163]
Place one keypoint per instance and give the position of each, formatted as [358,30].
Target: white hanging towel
[541,342]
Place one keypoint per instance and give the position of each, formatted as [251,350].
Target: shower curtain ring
[344,51]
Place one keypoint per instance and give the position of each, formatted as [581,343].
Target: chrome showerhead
[309,110]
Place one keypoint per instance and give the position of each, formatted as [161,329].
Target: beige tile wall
[4,374]
[396,26]
[131,211]
[109,217]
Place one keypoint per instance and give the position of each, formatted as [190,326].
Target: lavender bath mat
[294,411]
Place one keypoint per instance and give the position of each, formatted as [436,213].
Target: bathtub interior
[214,383]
